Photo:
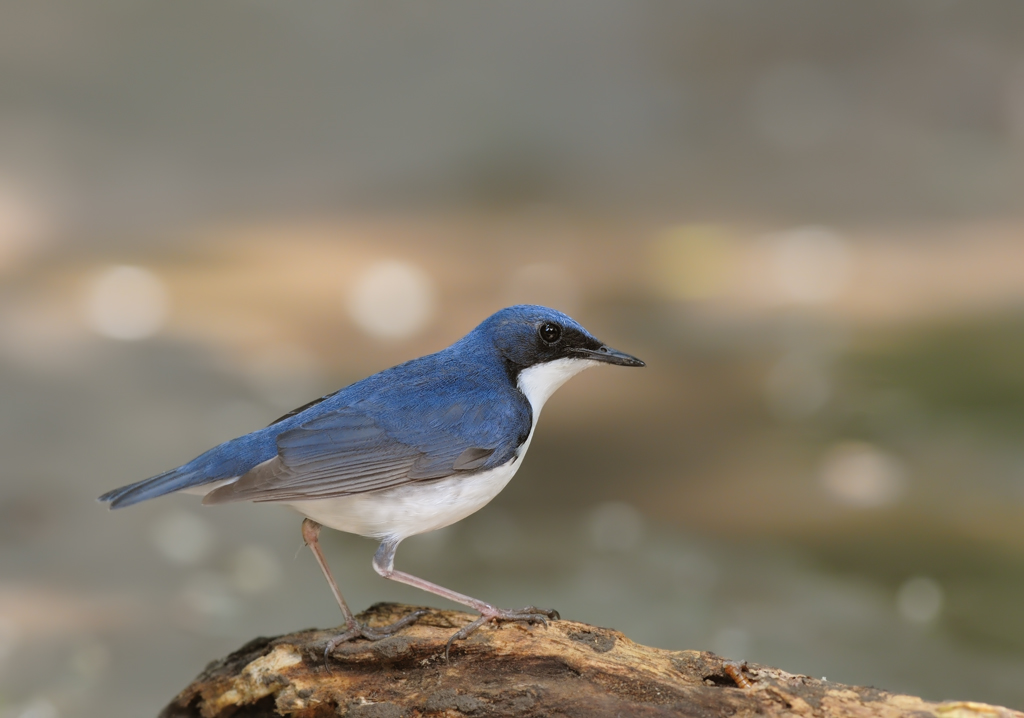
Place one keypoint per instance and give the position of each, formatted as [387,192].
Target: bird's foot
[529,615]
[375,633]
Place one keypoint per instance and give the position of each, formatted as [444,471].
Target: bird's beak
[610,356]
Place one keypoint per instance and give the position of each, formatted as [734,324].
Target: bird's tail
[218,465]
[168,482]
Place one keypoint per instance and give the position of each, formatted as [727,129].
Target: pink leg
[384,564]
[311,535]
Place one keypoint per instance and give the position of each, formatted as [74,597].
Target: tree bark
[567,669]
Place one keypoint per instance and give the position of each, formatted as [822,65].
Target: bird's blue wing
[360,448]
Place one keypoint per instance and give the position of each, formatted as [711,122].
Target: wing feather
[346,452]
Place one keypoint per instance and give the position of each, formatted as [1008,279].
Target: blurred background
[805,216]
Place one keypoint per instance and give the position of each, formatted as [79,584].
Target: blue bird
[412,449]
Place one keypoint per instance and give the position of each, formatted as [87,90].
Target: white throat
[539,381]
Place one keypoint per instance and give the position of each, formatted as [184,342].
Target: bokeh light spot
[858,474]
[392,300]
[810,264]
[692,262]
[920,599]
[127,303]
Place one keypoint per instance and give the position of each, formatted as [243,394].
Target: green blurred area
[970,368]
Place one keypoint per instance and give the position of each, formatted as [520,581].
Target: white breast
[423,506]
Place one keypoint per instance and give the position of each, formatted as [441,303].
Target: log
[567,669]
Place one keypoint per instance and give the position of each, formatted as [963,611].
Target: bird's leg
[384,564]
[311,535]
[354,629]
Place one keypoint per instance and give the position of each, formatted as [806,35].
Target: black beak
[609,356]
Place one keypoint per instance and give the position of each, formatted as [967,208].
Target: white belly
[413,508]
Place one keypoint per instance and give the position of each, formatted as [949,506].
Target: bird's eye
[550,333]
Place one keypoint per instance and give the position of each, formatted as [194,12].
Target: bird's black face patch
[528,343]
[527,335]
[556,341]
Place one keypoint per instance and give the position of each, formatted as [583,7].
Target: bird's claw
[529,615]
[548,612]
[361,630]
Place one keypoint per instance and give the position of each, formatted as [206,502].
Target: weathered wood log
[567,669]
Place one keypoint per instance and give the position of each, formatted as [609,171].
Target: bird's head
[527,335]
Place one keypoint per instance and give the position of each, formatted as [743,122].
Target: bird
[408,450]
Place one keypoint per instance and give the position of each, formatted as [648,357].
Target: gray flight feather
[346,452]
